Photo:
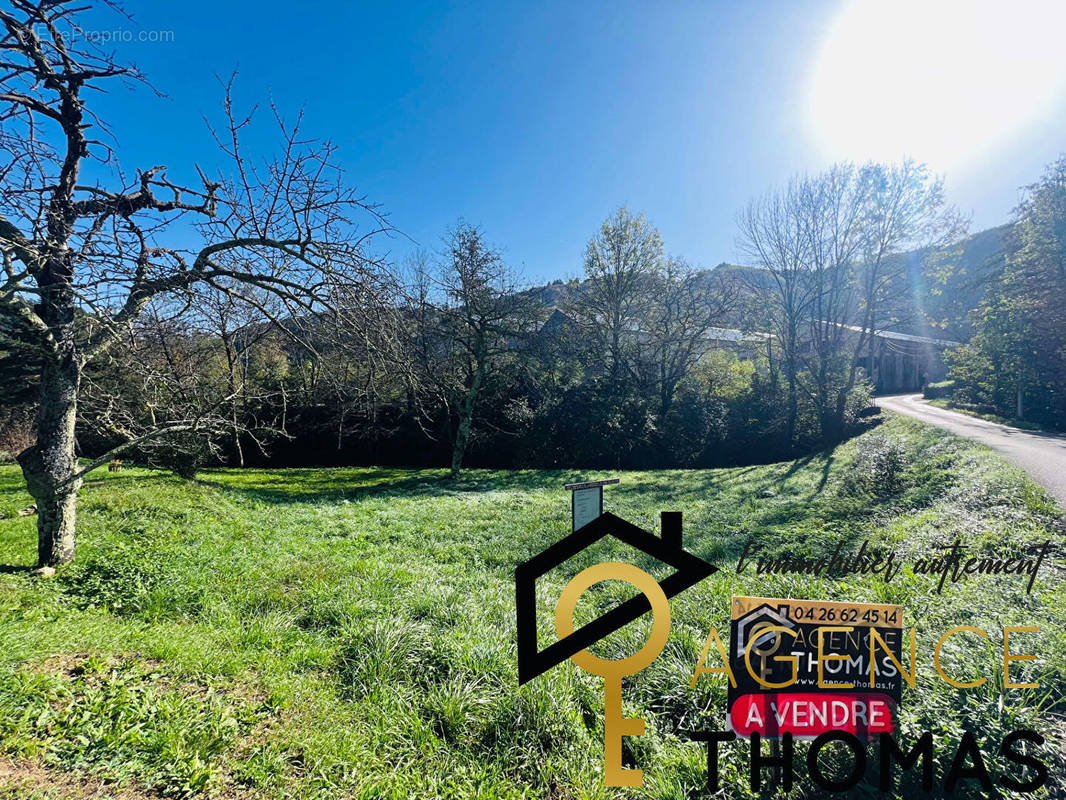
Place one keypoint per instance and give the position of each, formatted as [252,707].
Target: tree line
[1015,364]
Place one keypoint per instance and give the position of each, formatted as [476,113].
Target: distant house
[746,344]
[895,362]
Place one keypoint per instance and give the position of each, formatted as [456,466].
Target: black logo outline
[690,570]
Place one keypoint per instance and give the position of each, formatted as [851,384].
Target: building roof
[907,337]
[735,335]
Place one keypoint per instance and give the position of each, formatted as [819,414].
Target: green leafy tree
[1017,359]
[624,265]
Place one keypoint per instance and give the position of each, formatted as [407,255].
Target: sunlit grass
[350,632]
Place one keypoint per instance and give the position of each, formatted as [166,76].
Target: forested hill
[939,293]
[954,284]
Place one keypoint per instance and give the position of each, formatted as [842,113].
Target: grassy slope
[324,633]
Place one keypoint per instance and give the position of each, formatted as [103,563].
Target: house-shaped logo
[760,617]
[689,570]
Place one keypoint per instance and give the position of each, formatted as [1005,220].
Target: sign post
[804,667]
[586,501]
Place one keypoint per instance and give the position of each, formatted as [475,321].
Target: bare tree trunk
[232,365]
[666,396]
[836,426]
[792,403]
[616,351]
[237,443]
[462,436]
[792,411]
[466,421]
[49,465]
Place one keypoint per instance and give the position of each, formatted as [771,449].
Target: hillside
[939,294]
[955,283]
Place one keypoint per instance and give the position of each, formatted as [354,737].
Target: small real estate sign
[804,667]
[586,501]
[588,504]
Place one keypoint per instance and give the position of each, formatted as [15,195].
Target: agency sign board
[809,666]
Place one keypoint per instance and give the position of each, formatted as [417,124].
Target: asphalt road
[1042,455]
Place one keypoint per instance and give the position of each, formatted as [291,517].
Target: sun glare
[943,81]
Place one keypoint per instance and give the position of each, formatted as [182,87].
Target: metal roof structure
[908,337]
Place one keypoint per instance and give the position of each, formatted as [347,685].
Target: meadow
[323,633]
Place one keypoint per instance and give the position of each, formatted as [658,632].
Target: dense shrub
[939,390]
[727,410]
[184,455]
[878,466]
[859,404]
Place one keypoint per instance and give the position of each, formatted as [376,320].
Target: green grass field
[350,632]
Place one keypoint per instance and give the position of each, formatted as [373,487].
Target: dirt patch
[240,700]
[22,779]
[73,665]
[28,780]
[70,665]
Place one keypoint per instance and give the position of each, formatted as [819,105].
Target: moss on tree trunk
[50,464]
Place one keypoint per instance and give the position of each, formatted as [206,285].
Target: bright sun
[943,81]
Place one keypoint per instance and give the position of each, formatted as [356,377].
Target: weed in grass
[123,719]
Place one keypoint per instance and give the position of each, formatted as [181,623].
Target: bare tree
[833,243]
[905,212]
[163,387]
[864,222]
[483,321]
[237,331]
[830,207]
[430,383]
[82,261]
[772,237]
[359,358]
[686,304]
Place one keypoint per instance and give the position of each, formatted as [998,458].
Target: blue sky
[533,120]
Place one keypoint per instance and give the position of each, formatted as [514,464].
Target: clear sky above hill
[535,120]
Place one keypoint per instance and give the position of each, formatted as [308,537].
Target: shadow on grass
[310,484]
[826,469]
[797,465]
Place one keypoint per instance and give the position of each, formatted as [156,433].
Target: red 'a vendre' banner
[806,667]
[771,714]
